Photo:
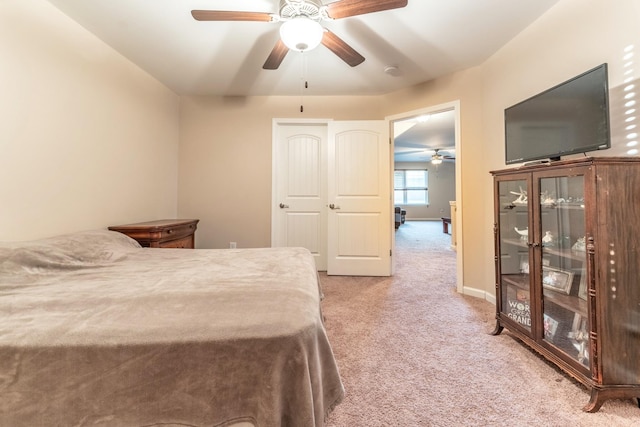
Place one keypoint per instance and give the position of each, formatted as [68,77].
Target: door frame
[455,106]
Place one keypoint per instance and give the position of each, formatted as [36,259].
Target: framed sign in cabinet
[567,260]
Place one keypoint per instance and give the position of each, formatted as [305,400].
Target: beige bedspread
[96,331]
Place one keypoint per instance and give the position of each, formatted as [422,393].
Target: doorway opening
[429,139]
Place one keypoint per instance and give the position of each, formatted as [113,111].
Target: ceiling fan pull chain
[302,79]
[306,86]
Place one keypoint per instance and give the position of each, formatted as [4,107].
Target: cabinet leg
[498,328]
[594,403]
[599,396]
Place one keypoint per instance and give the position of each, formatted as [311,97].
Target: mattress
[95,330]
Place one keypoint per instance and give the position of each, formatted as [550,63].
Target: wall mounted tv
[570,118]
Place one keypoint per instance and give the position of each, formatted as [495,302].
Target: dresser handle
[169,231]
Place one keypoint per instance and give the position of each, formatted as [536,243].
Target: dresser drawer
[184,243]
[176,232]
[165,233]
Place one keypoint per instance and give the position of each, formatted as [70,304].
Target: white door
[359,199]
[300,188]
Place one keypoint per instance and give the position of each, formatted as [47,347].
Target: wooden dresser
[164,233]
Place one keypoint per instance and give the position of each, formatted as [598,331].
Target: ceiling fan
[437,158]
[299,16]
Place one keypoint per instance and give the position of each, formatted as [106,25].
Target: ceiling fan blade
[346,8]
[223,15]
[400,151]
[338,46]
[276,56]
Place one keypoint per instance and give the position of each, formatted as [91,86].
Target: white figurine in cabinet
[524,234]
[579,245]
[522,197]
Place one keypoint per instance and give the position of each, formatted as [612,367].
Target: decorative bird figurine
[524,234]
[522,197]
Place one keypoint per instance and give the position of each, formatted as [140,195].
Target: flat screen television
[570,118]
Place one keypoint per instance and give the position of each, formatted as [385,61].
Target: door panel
[349,232]
[357,234]
[303,229]
[299,214]
[304,178]
[357,164]
[359,197]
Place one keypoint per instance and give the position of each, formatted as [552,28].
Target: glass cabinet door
[513,223]
[563,265]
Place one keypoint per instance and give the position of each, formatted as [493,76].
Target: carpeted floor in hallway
[414,352]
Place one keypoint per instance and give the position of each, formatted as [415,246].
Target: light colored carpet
[413,352]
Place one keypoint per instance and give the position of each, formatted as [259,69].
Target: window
[410,187]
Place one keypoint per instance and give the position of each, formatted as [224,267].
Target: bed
[97,331]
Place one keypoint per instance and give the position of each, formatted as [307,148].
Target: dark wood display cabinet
[567,245]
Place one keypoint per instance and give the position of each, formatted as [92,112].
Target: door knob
[332,206]
[283,206]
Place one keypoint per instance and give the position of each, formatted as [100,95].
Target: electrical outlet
[232,245]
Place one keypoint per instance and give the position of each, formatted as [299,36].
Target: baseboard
[478,293]
[491,297]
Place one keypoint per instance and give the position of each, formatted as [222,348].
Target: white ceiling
[424,40]
[416,138]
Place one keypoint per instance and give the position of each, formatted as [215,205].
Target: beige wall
[442,190]
[574,36]
[86,138]
[465,87]
[225,160]
[229,140]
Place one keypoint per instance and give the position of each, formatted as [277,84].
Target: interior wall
[225,160]
[87,138]
[225,153]
[466,88]
[442,190]
[573,37]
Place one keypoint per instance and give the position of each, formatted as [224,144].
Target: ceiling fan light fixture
[301,33]
[436,159]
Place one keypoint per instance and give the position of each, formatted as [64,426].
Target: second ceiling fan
[437,158]
[305,15]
